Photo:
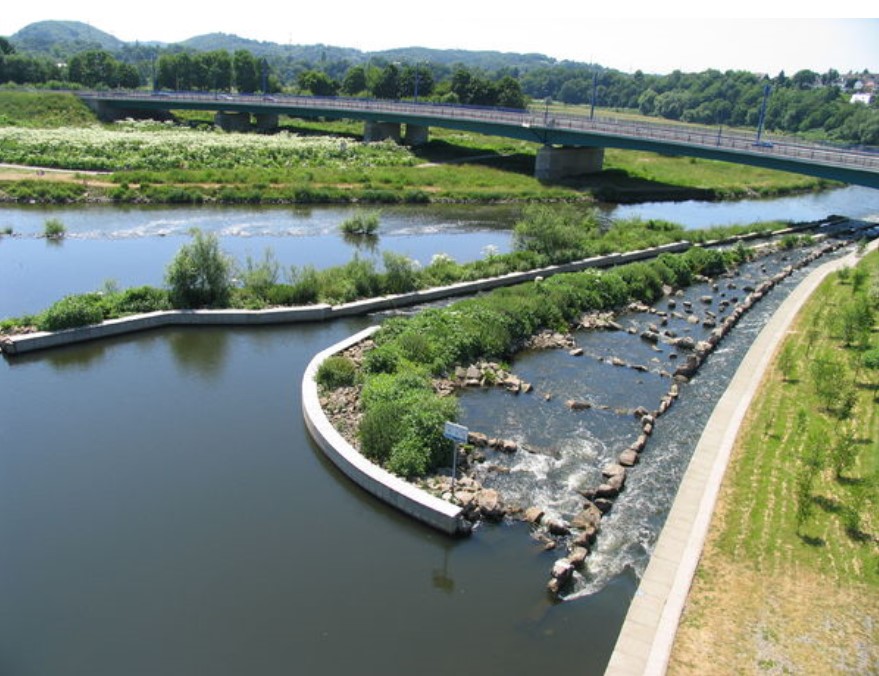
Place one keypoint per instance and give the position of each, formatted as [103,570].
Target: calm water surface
[163,511]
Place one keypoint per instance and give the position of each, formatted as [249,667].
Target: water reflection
[67,359]
[441,578]
[200,352]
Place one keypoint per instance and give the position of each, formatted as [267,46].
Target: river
[133,246]
[163,510]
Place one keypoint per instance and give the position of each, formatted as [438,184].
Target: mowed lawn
[789,579]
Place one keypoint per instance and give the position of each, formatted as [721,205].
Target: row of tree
[806,102]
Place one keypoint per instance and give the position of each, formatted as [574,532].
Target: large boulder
[587,519]
[532,515]
[490,506]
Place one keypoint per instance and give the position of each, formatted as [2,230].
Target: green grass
[41,110]
[317,168]
[788,426]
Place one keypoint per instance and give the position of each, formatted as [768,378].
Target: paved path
[645,641]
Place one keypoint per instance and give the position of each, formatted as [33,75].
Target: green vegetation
[336,372]
[54,229]
[831,458]
[796,533]
[42,110]
[200,274]
[363,224]
[168,163]
[397,373]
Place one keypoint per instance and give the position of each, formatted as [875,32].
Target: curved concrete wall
[309,313]
[391,489]
[42,340]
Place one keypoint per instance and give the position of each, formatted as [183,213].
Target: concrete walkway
[645,641]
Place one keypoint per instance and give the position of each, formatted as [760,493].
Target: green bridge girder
[857,167]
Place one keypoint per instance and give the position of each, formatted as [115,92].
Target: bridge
[571,144]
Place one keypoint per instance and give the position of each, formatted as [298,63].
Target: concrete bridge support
[232,121]
[416,134]
[266,121]
[381,131]
[557,163]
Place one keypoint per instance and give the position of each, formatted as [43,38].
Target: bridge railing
[541,121]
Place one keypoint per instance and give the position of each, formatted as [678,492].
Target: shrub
[258,277]
[336,371]
[422,446]
[281,294]
[305,285]
[141,299]
[362,223]
[200,274]
[380,430]
[401,273]
[72,311]
[54,229]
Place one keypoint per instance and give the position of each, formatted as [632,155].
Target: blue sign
[455,432]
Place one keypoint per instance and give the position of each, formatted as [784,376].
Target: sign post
[458,434]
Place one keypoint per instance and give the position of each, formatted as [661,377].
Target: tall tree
[246,71]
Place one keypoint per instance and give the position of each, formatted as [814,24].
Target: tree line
[817,105]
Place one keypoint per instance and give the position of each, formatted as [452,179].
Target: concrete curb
[391,489]
[647,636]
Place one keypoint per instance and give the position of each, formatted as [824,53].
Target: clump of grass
[6,230]
[363,223]
[54,229]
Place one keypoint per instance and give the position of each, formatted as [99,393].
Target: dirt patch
[10,173]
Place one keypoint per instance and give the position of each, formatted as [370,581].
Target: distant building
[866,99]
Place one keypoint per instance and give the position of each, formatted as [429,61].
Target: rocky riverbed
[628,371]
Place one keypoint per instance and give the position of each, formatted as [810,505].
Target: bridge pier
[381,131]
[232,121]
[416,134]
[556,163]
[266,121]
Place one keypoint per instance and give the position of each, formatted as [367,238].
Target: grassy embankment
[152,163]
[789,579]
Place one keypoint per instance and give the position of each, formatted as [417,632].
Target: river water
[133,246]
[163,510]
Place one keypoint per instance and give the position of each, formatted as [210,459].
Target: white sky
[656,37]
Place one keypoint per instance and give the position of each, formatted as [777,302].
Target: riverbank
[645,642]
[768,572]
[318,162]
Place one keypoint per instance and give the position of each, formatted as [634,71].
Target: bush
[362,223]
[140,299]
[54,229]
[336,372]
[422,446]
[380,430]
[200,274]
[305,285]
[258,277]
[401,273]
[73,311]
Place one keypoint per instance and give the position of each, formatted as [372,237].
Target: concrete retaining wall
[312,313]
[309,313]
[391,489]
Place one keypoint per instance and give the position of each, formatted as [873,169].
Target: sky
[626,35]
